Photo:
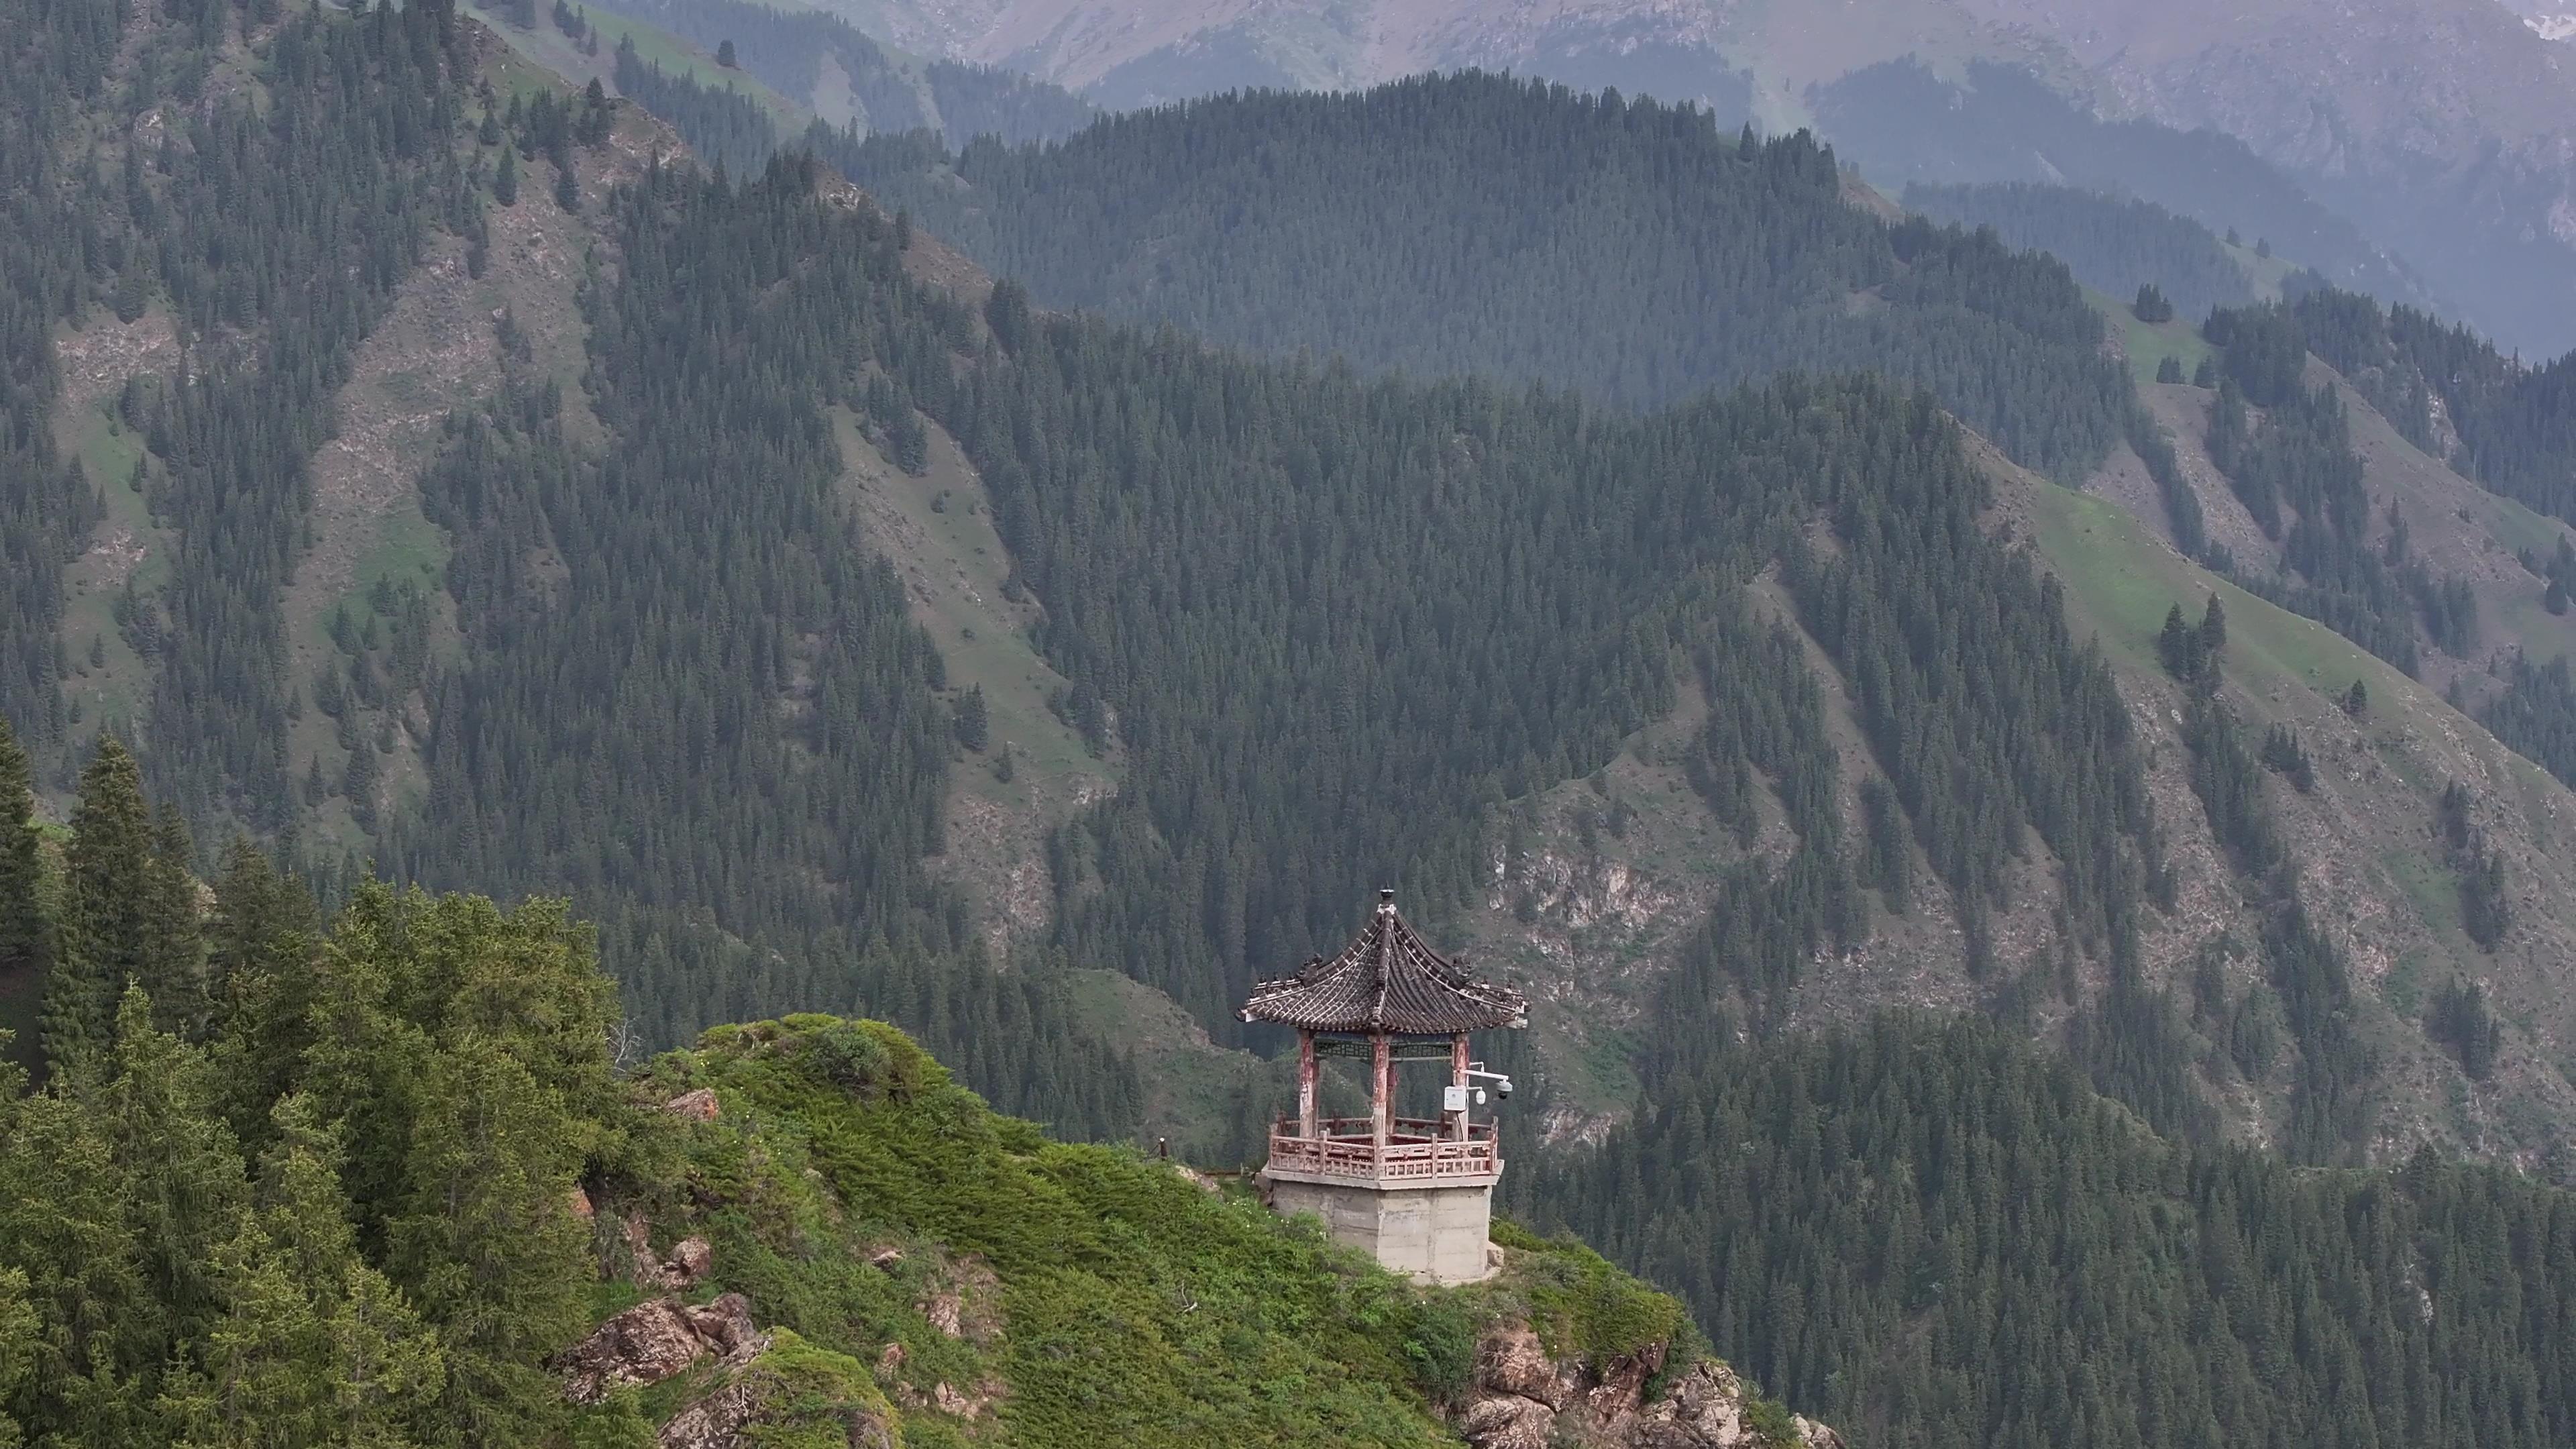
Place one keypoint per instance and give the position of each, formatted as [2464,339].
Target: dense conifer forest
[1477,223]
[2506,422]
[1334,617]
[2113,244]
[1938,1239]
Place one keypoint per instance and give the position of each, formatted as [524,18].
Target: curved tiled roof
[1386,980]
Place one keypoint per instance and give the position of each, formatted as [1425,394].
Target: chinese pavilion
[1417,1192]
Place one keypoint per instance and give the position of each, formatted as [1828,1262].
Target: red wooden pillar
[1382,1092]
[1458,1080]
[1306,1084]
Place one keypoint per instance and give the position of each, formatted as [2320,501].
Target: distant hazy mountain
[2444,130]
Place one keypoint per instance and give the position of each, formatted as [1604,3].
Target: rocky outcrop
[964,1301]
[1523,1398]
[791,1392]
[654,1340]
[697,1106]
[684,1267]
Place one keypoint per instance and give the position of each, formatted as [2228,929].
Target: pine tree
[2356,700]
[505,181]
[26,932]
[973,719]
[2213,627]
[110,895]
[724,54]
[18,1340]
[175,948]
[261,943]
[315,1346]
[2178,646]
[2169,371]
[358,783]
[64,1229]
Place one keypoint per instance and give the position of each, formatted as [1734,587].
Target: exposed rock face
[697,1106]
[725,1325]
[652,1341]
[1511,1361]
[964,1301]
[689,1262]
[1524,1399]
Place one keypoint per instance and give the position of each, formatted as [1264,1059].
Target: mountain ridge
[2394,113]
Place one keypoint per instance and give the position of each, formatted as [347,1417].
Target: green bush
[1441,1347]
[847,1057]
[1769,1419]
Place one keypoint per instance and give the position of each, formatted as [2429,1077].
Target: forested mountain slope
[851,82]
[2113,244]
[2436,129]
[756,534]
[1475,223]
[1996,123]
[381,1179]
[751,850]
[1945,1241]
[2328,557]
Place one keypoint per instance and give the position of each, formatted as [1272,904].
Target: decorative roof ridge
[1388,979]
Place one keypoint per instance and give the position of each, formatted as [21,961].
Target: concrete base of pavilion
[1434,1232]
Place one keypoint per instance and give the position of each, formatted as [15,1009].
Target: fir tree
[65,1230]
[26,931]
[175,946]
[505,181]
[2178,646]
[182,1172]
[973,720]
[261,941]
[2356,700]
[111,906]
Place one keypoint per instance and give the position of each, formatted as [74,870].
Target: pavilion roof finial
[1386,980]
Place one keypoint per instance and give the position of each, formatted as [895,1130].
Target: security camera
[1503,1088]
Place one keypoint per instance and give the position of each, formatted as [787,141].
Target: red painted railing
[1415,1148]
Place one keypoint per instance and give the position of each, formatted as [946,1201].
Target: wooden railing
[1415,1148]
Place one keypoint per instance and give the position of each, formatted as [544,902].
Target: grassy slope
[551,49]
[438,349]
[1191,1084]
[2148,344]
[1099,1297]
[938,531]
[2374,874]
[1589,921]
[128,548]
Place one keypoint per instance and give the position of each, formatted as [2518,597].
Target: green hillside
[382,1180]
[1472,223]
